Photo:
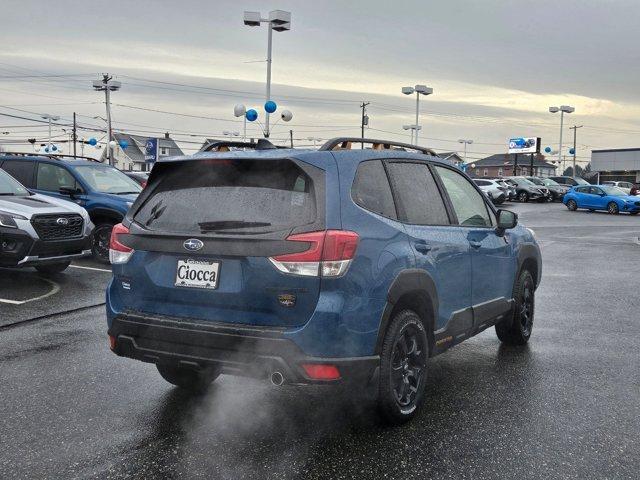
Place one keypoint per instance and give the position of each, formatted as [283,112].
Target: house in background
[452,157]
[501,164]
[132,157]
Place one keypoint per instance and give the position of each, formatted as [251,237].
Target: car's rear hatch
[204,230]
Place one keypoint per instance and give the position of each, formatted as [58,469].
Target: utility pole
[575,129]
[291,137]
[364,121]
[107,85]
[515,164]
[75,135]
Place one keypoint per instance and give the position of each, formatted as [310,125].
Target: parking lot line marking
[12,302]
[91,268]
[55,289]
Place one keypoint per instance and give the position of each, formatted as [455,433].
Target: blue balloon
[92,141]
[571,151]
[54,148]
[46,150]
[252,115]
[270,106]
[123,144]
[547,149]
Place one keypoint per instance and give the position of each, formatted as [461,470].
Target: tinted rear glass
[371,189]
[231,197]
[20,170]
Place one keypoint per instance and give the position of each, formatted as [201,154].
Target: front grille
[58,227]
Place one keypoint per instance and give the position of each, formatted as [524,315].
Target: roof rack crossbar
[345,143]
[51,156]
[225,146]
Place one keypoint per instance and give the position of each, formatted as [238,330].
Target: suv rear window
[371,189]
[232,197]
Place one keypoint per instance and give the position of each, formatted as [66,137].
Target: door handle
[475,244]
[422,247]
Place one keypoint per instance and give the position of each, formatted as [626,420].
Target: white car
[492,189]
[624,186]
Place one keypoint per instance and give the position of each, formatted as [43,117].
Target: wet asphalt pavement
[565,406]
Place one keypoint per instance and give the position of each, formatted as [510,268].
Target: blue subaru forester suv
[330,266]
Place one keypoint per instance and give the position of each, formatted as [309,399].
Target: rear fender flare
[410,281]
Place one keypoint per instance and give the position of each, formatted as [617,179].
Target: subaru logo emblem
[62,221]
[193,244]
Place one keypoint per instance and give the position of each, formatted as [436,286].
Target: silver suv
[40,231]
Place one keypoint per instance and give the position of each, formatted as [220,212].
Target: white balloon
[239,110]
[286,115]
[473,165]
[112,143]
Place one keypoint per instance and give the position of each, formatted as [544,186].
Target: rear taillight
[119,253]
[317,371]
[329,254]
[143,184]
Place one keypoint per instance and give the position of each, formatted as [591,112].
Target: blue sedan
[601,197]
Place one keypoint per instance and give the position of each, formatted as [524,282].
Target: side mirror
[506,220]
[71,191]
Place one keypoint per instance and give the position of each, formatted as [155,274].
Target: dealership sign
[524,145]
[151,150]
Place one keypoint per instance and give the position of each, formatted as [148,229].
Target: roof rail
[225,146]
[345,143]
[52,156]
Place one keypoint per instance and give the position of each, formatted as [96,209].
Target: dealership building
[622,164]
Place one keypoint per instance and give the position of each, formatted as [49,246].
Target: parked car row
[602,197]
[53,202]
[522,189]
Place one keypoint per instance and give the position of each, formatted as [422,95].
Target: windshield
[106,179]
[9,186]
[581,181]
[550,183]
[535,180]
[614,191]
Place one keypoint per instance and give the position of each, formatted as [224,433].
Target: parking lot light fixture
[466,142]
[51,118]
[412,128]
[562,109]
[280,21]
[418,89]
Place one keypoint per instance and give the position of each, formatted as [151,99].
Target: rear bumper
[238,349]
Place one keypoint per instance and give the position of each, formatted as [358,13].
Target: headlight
[9,219]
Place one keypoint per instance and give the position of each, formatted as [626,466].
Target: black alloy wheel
[403,368]
[612,208]
[516,329]
[100,242]
[572,205]
[523,197]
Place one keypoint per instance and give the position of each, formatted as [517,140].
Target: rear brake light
[329,254]
[321,372]
[119,253]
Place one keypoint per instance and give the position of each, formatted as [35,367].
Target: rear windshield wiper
[207,227]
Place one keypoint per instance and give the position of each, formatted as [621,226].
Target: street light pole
[280,21]
[418,89]
[562,109]
[50,118]
[466,142]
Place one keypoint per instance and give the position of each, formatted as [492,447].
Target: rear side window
[21,171]
[467,202]
[418,197]
[52,177]
[371,189]
[582,189]
[240,197]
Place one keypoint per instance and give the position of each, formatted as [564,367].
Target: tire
[53,268]
[612,208]
[195,381]
[100,241]
[591,210]
[516,330]
[633,213]
[403,368]
[523,197]
[572,205]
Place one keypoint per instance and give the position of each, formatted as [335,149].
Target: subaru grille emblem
[193,244]
[62,221]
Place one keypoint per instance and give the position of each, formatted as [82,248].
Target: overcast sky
[495,66]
